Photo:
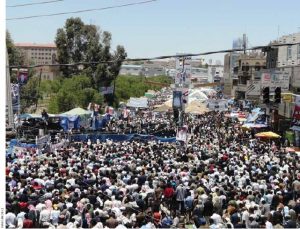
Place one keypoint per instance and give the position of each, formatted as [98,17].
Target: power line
[81,11]
[34,3]
[160,57]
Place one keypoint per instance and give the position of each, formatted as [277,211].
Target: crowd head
[221,177]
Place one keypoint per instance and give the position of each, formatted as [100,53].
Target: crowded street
[221,177]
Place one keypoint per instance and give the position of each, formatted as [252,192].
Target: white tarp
[197,95]
[138,102]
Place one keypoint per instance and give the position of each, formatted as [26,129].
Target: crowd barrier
[118,137]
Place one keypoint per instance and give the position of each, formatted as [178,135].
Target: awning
[268,134]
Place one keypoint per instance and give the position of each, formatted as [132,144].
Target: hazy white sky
[165,27]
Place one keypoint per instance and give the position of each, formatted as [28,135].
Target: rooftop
[29,45]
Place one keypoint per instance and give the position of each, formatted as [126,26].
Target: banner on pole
[183,69]
[22,76]
[177,99]
[181,134]
[15,95]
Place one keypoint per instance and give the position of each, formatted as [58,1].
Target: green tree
[78,42]
[73,92]
[29,94]
[15,57]
[136,86]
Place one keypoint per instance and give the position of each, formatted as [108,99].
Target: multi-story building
[289,55]
[285,61]
[249,66]
[153,70]
[200,75]
[39,54]
[215,73]
[130,69]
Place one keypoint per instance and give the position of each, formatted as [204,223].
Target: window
[289,52]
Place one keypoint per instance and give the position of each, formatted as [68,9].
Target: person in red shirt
[37,186]
[27,223]
[168,194]
[157,218]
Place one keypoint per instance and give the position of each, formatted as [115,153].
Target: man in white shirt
[10,219]
[44,217]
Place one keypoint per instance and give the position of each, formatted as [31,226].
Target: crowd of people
[221,177]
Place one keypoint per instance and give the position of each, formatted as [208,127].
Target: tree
[15,57]
[78,42]
[29,94]
[69,93]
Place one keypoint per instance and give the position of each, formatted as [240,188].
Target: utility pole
[38,89]
[244,43]
[9,108]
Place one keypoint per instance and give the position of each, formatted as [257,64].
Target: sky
[164,27]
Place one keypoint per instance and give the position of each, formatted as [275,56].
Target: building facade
[248,73]
[39,54]
[289,55]
[130,69]
[216,73]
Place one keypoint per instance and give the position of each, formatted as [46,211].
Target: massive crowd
[221,178]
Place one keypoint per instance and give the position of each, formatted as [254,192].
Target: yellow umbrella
[268,134]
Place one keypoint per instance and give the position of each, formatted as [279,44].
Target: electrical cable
[34,3]
[160,57]
[81,11]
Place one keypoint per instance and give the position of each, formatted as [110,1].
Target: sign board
[275,79]
[138,102]
[177,99]
[297,100]
[106,90]
[253,88]
[288,98]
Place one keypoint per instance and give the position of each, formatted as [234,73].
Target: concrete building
[38,54]
[200,75]
[230,77]
[153,70]
[289,55]
[216,73]
[130,69]
[248,69]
